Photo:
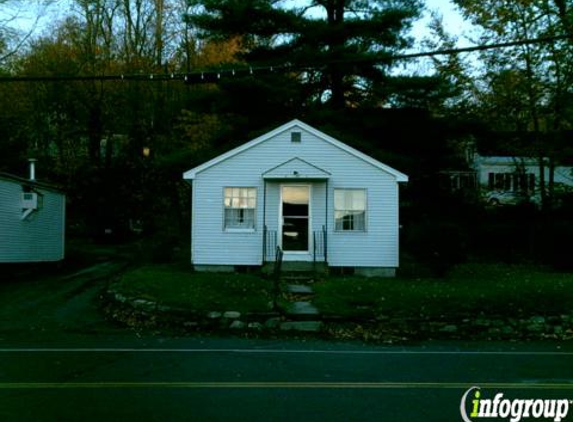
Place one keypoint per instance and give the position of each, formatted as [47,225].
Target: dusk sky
[453,21]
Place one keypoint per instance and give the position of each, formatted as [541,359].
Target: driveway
[50,307]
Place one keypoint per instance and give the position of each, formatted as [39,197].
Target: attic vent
[295,137]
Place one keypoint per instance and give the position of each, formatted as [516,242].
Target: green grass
[470,290]
[170,285]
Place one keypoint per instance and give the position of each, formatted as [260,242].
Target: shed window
[350,209]
[295,137]
[240,206]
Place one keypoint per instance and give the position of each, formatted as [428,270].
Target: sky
[453,20]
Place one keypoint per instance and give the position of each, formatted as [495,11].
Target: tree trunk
[159,7]
[564,17]
[94,133]
[335,18]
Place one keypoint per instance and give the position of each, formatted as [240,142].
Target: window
[349,209]
[518,182]
[240,205]
[296,137]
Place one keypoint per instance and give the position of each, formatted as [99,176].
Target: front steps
[302,268]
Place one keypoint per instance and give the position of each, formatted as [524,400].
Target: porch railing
[320,245]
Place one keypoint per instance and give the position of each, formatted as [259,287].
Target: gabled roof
[28,182]
[296,168]
[190,174]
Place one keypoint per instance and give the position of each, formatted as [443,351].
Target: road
[75,366]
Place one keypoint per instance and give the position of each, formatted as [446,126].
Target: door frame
[295,255]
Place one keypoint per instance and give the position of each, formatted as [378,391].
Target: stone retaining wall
[141,312]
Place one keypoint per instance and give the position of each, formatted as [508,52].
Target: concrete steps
[302,311]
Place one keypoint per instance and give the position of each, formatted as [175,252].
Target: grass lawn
[471,289]
[170,285]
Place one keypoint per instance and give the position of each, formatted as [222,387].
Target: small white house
[32,220]
[299,189]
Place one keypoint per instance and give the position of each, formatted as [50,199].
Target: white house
[32,220]
[503,173]
[299,189]
[516,173]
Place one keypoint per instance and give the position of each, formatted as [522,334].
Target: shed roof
[191,174]
[34,183]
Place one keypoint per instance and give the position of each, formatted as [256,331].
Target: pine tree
[339,50]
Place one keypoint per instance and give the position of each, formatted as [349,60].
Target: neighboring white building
[502,173]
[301,190]
[32,220]
[515,173]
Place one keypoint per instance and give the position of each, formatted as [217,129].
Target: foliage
[343,47]
[526,88]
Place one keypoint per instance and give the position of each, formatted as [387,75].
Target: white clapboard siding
[39,237]
[376,247]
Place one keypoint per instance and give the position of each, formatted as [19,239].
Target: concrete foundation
[214,268]
[384,272]
[294,267]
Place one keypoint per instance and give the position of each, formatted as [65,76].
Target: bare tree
[19,20]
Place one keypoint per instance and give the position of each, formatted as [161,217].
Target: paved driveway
[56,305]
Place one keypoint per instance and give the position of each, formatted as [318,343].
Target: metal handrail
[277,276]
[265,243]
[325,239]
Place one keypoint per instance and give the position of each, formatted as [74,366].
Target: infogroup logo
[513,409]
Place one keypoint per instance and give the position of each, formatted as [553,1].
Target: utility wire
[211,76]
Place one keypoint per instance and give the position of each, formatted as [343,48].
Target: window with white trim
[350,209]
[240,206]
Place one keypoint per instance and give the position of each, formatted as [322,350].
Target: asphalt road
[61,361]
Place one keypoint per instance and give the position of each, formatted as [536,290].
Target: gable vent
[295,137]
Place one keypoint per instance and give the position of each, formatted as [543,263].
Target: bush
[438,245]
[552,243]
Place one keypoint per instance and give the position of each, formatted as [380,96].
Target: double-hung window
[350,209]
[240,206]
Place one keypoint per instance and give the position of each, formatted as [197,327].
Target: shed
[298,189]
[32,220]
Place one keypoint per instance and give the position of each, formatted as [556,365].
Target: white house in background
[297,188]
[517,174]
[502,174]
[32,220]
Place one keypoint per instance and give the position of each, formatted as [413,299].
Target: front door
[295,218]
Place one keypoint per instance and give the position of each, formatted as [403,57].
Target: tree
[344,46]
[525,88]
[12,36]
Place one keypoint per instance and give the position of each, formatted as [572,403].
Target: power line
[212,76]
[452,51]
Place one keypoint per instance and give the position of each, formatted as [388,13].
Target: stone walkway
[303,314]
